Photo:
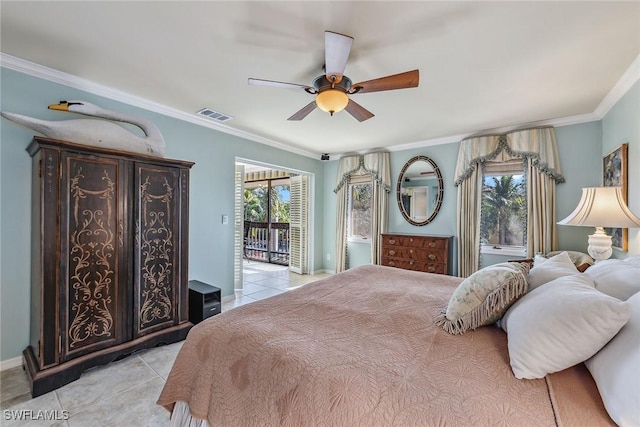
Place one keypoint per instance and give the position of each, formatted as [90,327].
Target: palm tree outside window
[504,208]
[359,208]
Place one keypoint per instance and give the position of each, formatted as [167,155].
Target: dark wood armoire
[109,258]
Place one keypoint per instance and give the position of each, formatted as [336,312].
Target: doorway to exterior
[272,221]
[267,207]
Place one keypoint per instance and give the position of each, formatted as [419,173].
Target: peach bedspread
[361,348]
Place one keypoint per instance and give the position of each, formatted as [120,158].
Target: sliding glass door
[267,216]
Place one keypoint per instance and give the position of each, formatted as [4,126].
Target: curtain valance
[537,144]
[377,164]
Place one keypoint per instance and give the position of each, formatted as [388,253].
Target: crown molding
[563,121]
[428,142]
[55,76]
[626,81]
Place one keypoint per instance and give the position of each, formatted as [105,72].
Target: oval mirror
[420,189]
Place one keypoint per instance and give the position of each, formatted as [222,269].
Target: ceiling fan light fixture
[332,100]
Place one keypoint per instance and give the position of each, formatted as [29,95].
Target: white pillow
[560,324]
[545,270]
[540,259]
[577,258]
[615,277]
[634,260]
[616,370]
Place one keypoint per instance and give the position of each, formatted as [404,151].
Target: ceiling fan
[332,89]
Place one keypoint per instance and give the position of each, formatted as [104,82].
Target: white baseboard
[321,271]
[10,363]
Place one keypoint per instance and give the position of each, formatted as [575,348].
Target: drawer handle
[411,240]
[392,252]
[392,241]
[432,257]
[392,264]
[410,251]
[410,262]
[432,244]
[431,269]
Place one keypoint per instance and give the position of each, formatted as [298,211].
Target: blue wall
[212,181]
[579,147]
[211,243]
[620,125]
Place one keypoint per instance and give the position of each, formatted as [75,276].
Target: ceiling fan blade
[358,111]
[336,53]
[304,111]
[397,81]
[272,83]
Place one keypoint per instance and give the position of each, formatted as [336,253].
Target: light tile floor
[124,393]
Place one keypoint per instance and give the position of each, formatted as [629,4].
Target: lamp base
[599,245]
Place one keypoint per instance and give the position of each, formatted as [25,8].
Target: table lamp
[601,207]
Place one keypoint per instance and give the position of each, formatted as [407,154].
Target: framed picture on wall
[614,174]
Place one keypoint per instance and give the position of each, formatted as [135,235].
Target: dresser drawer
[415,241]
[429,267]
[416,254]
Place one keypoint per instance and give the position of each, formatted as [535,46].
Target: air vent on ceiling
[214,115]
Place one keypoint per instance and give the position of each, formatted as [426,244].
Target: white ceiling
[483,65]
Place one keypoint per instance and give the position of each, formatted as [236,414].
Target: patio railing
[267,242]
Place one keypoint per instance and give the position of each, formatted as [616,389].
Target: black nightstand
[204,301]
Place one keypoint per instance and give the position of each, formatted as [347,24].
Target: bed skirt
[181,417]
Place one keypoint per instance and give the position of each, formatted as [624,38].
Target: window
[267,200]
[255,201]
[359,208]
[503,217]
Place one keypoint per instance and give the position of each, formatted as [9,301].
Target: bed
[361,348]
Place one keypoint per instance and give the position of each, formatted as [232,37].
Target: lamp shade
[332,100]
[602,207]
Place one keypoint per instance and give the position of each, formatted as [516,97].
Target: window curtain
[376,164]
[468,223]
[346,167]
[543,171]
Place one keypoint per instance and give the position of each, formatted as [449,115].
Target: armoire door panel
[92,237]
[157,247]
[182,272]
[45,299]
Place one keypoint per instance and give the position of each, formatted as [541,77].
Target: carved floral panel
[156,240]
[92,253]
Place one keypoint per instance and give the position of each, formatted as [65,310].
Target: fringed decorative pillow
[482,298]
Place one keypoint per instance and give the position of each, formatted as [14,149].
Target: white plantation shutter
[298,224]
[238,224]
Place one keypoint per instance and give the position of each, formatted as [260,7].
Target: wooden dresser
[431,254]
